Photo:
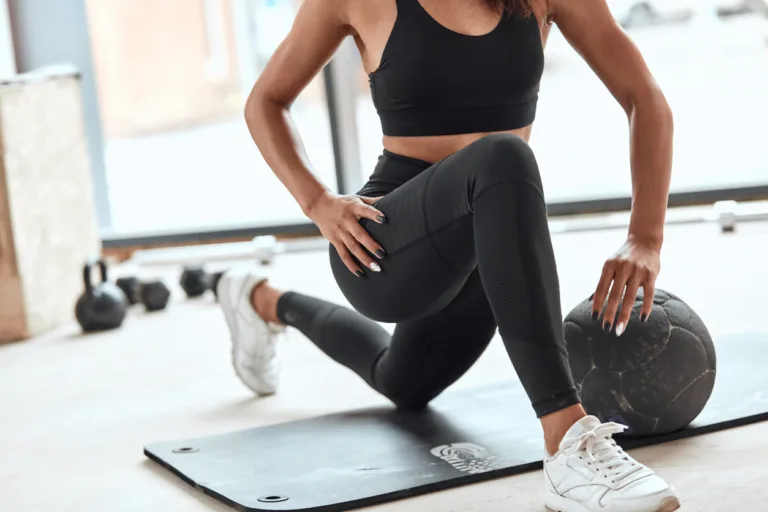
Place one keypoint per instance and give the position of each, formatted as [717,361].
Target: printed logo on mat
[467,457]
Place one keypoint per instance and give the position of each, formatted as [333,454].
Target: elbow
[261,107]
[650,103]
[253,108]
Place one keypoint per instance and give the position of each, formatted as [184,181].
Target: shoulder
[583,6]
[337,10]
[343,9]
[370,13]
[371,7]
[325,15]
[344,15]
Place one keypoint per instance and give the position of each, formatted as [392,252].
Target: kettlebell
[102,306]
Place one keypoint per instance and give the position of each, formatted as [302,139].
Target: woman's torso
[463,21]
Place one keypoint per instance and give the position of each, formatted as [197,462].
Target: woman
[449,237]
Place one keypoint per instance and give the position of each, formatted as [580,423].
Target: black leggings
[468,250]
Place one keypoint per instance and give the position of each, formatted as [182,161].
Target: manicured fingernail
[594,315]
[375,267]
[619,329]
[359,273]
[606,327]
[379,253]
[643,317]
[382,219]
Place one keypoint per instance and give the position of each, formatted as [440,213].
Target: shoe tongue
[585,424]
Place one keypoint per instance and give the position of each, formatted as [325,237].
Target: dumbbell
[195,281]
[131,287]
[153,294]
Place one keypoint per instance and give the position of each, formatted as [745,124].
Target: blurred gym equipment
[103,305]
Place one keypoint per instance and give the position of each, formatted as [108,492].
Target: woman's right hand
[338,218]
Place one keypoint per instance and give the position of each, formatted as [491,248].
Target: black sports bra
[434,81]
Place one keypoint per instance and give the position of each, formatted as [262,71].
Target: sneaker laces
[602,452]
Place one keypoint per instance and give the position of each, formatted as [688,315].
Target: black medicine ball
[655,378]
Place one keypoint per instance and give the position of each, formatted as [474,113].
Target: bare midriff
[435,148]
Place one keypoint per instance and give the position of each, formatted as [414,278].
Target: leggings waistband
[392,170]
[422,164]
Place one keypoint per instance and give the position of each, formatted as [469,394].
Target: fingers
[363,238]
[365,211]
[621,275]
[369,212]
[352,241]
[347,259]
[370,200]
[649,289]
[603,286]
[358,252]
[630,294]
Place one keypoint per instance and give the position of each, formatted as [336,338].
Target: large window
[710,58]
[172,78]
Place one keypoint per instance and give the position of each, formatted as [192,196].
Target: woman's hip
[392,171]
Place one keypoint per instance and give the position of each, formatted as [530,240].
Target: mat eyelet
[272,498]
[186,449]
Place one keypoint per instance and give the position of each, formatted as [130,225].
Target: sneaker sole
[558,503]
[223,290]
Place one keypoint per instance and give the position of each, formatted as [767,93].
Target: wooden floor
[75,411]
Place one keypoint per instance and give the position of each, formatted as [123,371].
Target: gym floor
[77,410]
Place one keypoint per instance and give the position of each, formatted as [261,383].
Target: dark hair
[517,7]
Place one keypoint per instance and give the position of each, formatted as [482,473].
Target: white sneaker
[591,473]
[254,355]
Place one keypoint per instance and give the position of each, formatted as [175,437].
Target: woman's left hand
[633,266]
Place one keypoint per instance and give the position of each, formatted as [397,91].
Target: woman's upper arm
[589,26]
[318,30]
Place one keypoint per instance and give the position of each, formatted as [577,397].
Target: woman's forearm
[280,144]
[651,132]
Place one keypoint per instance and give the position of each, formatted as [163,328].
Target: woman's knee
[503,158]
[411,401]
